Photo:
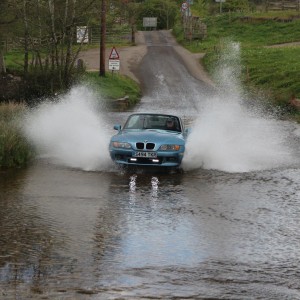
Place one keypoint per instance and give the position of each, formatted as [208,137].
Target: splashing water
[70,132]
[225,136]
[228,137]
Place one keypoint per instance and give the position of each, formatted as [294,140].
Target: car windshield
[144,121]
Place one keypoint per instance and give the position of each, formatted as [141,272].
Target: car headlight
[123,145]
[169,147]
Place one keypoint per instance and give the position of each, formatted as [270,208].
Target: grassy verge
[14,62]
[272,69]
[15,151]
[114,86]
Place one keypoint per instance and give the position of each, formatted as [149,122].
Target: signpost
[114,60]
[185,7]
[221,1]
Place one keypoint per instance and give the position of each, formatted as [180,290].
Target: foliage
[15,151]
[44,32]
[235,5]
[200,8]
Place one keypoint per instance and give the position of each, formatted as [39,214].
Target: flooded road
[227,227]
[67,234]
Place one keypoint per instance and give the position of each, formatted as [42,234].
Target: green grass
[15,151]
[14,61]
[114,86]
[250,34]
[274,69]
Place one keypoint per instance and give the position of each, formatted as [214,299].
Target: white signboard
[149,22]
[114,64]
[222,1]
[82,34]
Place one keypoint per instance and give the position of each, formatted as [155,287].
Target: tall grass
[15,151]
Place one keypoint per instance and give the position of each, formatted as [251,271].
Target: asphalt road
[75,227]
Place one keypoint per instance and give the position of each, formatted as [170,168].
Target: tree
[47,32]
[7,18]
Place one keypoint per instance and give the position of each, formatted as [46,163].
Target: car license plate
[145,154]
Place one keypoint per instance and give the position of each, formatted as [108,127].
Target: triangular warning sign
[114,54]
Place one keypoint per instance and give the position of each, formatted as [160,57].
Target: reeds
[15,151]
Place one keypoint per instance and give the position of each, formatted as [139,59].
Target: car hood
[150,135]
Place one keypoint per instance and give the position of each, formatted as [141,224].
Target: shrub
[15,151]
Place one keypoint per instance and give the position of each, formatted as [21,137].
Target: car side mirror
[117,127]
[187,131]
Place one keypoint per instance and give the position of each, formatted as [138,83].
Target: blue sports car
[149,140]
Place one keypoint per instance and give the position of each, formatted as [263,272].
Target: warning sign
[184,6]
[114,54]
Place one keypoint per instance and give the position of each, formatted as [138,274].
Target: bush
[15,151]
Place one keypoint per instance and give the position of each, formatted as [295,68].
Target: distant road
[130,57]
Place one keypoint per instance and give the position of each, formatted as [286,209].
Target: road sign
[82,34]
[184,6]
[150,22]
[114,64]
[114,54]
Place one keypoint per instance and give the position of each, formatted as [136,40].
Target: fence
[113,36]
[9,45]
[193,28]
[283,5]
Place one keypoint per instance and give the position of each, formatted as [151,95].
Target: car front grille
[145,146]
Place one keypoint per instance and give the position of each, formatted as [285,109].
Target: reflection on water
[68,234]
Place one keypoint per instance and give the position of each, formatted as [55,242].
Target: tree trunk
[54,43]
[2,62]
[102,38]
[70,28]
[64,38]
[26,38]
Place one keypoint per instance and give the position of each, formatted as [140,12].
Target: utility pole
[102,38]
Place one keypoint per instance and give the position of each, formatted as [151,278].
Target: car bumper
[163,159]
